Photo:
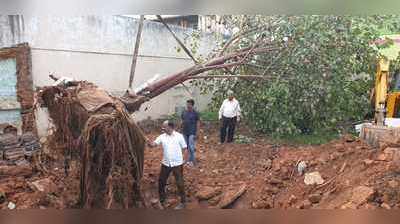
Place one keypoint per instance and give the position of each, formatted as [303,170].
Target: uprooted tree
[96,126]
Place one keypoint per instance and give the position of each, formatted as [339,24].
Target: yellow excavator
[386,102]
[386,93]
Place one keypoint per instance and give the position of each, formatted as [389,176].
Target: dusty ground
[355,176]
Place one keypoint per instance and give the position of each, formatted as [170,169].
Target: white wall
[99,49]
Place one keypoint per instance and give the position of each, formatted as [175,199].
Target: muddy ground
[354,176]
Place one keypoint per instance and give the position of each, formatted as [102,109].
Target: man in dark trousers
[229,113]
[173,144]
[190,120]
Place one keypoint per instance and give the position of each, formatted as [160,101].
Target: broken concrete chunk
[206,192]
[231,195]
[313,178]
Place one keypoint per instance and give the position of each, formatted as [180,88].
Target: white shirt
[229,109]
[172,148]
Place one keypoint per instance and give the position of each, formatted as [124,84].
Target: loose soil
[355,176]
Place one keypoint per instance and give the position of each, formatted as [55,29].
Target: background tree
[320,78]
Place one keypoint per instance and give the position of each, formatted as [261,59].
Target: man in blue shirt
[190,119]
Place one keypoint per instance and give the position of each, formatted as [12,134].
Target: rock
[393,184]
[390,151]
[292,200]
[156,203]
[395,164]
[382,157]
[361,195]
[230,196]
[11,205]
[266,164]
[386,206]
[273,190]
[315,198]
[261,204]
[368,162]
[306,204]
[275,181]
[43,185]
[301,168]
[313,178]
[348,205]
[215,200]
[206,192]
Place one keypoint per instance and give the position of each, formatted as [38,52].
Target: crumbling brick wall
[25,91]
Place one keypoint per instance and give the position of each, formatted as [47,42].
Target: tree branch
[177,39]
[136,50]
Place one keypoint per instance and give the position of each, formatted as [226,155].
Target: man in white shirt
[173,143]
[229,113]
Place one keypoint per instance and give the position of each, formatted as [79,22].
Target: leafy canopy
[320,79]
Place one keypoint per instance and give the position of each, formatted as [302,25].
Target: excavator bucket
[378,136]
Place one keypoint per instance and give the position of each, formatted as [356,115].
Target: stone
[292,200]
[231,195]
[313,178]
[43,185]
[261,204]
[273,190]
[275,181]
[368,162]
[306,204]
[390,151]
[361,195]
[11,205]
[386,206]
[348,205]
[382,157]
[395,164]
[393,184]
[206,192]
[315,198]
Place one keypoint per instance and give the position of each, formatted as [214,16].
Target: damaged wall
[99,49]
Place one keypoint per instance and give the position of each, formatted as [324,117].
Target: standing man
[229,113]
[172,143]
[190,120]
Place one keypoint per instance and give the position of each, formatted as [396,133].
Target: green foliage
[319,80]
[209,116]
[317,138]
